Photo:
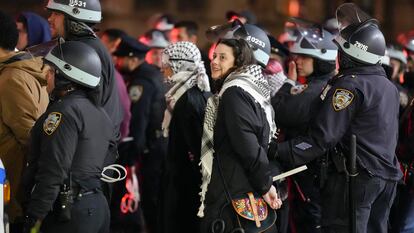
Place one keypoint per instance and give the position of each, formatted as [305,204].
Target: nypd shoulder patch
[341,99]
[135,93]
[52,122]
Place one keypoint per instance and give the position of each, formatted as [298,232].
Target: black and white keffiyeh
[184,58]
[251,79]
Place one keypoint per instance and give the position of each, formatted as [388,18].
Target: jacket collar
[364,70]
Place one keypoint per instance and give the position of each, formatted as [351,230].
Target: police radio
[65,200]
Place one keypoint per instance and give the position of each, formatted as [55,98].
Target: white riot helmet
[77,62]
[253,35]
[87,11]
[359,36]
[314,41]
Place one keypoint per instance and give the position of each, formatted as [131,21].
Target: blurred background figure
[188,31]
[244,16]
[157,42]
[33,30]
[147,149]
[111,38]
[395,65]
[162,22]
[278,52]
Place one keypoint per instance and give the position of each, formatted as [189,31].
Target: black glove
[29,223]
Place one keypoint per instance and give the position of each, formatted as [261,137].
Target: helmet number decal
[256,41]
[74,3]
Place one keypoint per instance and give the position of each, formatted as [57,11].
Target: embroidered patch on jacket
[303,146]
[296,90]
[52,122]
[135,93]
[342,98]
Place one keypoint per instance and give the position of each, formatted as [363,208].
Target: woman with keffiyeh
[183,125]
[238,126]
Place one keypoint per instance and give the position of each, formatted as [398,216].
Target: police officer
[69,144]
[398,64]
[74,20]
[359,100]
[295,105]
[146,91]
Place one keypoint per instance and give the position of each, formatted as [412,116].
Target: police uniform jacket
[295,106]
[108,91]
[72,136]
[360,101]
[146,91]
[241,137]
[23,99]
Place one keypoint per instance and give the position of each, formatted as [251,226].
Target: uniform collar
[364,70]
[322,77]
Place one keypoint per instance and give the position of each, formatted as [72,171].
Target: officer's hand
[272,151]
[31,225]
[272,198]
[292,74]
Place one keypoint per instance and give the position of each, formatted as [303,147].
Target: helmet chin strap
[59,92]
[75,29]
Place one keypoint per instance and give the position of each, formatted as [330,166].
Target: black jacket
[182,177]
[360,101]
[294,112]
[108,91]
[71,136]
[241,137]
[146,90]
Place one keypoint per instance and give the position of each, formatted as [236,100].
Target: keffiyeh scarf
[184,59]
[251,80]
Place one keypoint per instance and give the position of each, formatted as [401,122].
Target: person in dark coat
[69,144]
[183,125]
[296,105]
[239,124]
[148,147]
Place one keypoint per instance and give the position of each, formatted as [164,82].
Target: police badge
[52,122]
[341,99]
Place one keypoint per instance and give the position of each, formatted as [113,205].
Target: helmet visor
[349,13]
[41,50]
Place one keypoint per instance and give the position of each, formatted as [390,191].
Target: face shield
[312,40]
[41,50]
[359,35]
[348,14]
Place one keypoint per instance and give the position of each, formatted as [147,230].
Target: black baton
[352,175]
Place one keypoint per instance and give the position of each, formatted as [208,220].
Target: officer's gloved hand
[272,151]
[31,225]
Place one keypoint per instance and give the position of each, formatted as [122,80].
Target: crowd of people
[201,134]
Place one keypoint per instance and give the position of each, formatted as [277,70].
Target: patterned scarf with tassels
[250,78]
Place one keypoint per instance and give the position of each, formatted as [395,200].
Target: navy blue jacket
[360,101]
